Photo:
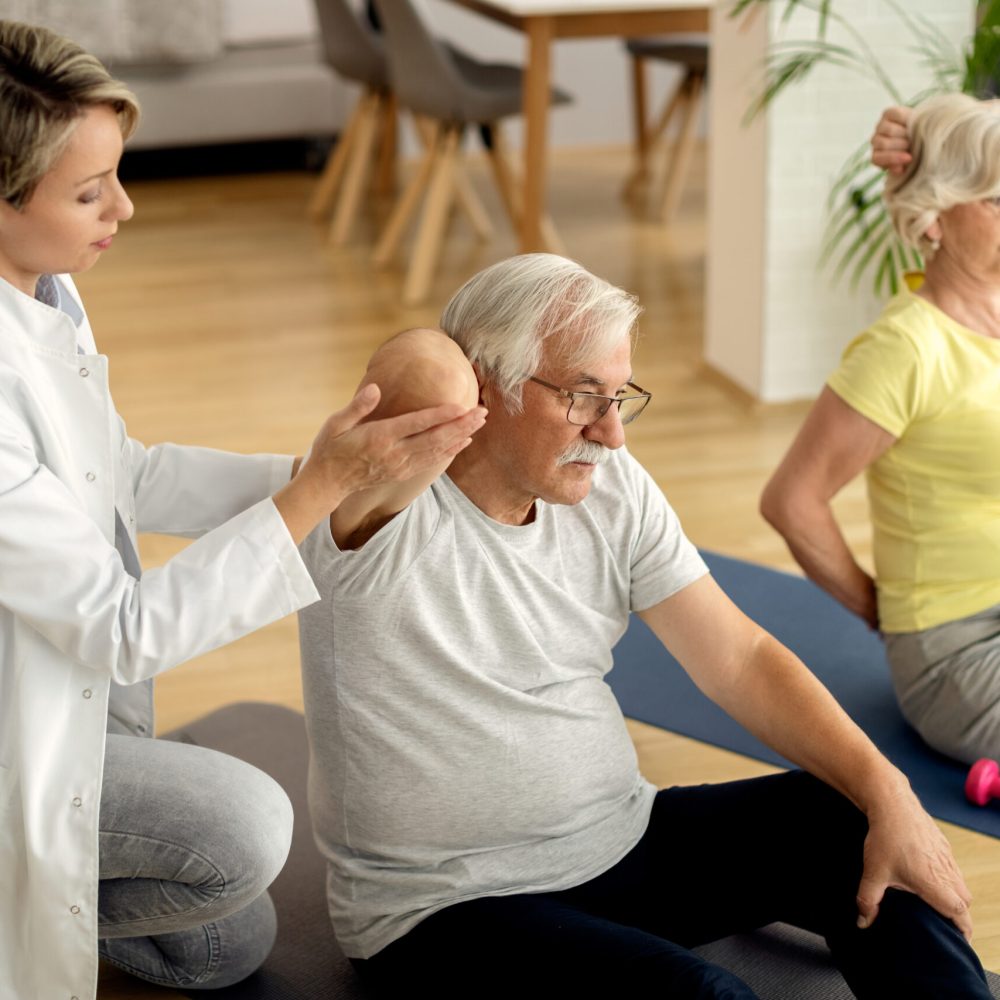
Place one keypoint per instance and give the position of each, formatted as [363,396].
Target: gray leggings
[189,841]
[947,680]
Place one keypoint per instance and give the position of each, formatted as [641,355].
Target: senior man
[473,785]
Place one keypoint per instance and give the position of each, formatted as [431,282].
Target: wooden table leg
[536,113]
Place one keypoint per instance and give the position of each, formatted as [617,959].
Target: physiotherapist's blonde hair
[46,83]
[955,143]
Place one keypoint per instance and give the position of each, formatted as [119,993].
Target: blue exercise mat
[840,650]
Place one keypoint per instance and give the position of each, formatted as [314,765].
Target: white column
[776,324]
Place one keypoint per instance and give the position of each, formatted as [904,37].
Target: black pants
[715,860]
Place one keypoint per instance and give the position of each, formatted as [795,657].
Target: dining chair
[449,91]
[690,53]
[356,53]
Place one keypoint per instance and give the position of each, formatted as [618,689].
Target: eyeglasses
[586,408]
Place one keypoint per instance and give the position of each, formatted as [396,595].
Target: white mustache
[590,452]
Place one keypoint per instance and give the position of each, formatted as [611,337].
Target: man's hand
[906,850]
[891,140]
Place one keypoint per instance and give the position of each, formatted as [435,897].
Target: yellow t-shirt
[935,494]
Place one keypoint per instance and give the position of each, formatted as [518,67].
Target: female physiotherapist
[154,855]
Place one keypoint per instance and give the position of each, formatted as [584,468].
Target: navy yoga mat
[843,653]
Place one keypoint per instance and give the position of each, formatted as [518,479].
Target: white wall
[774,323]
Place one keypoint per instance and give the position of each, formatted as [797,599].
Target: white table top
[540,8]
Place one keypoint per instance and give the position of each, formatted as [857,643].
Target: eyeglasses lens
[588,410]
[631,408]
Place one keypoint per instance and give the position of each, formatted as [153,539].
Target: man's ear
[480,381]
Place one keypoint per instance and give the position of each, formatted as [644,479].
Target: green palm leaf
[858,238]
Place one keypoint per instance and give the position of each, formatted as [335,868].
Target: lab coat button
[87,693]
[84,372]
[74,910]
[91,477]
[77,801]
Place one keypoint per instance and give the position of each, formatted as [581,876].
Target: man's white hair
[955,142]
[505,317]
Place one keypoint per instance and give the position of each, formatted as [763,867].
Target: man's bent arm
[414,370]
[767,689]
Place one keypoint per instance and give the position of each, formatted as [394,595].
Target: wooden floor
[230,323]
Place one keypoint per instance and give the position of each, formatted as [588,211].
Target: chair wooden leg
[469,202]
[504,176]
[357,172]
[677,101]
[511,194]
[640,172]
[465,194]
[436,207]
[403,211]
[681,157]
[385,167]
[326,187]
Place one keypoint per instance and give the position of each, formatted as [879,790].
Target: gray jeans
[189,841]
[947,680]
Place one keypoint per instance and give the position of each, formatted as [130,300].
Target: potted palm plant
[859,238]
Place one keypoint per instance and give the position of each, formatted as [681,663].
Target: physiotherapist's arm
[187,490]
[63,578]
[768,690]
[834,445]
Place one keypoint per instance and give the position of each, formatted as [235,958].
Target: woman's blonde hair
[955,142]
[46,83]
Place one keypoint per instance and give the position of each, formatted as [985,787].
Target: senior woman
[916,404]
[159,850]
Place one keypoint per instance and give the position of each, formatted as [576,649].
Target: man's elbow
[418,369]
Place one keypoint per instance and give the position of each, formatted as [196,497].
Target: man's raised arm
[414,370]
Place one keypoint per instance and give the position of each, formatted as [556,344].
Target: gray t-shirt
[464,741]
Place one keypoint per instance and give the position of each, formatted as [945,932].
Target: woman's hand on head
[891,140]
[348,455]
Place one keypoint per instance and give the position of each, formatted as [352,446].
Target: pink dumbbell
[983,782]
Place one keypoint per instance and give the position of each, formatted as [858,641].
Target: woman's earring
[935,246]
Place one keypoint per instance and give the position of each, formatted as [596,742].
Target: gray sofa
[207,71]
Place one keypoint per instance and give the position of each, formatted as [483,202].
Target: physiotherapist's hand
[906,850]
[354,456]
[891,140]
[348,455]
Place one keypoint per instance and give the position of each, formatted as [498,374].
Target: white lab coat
[74,625]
